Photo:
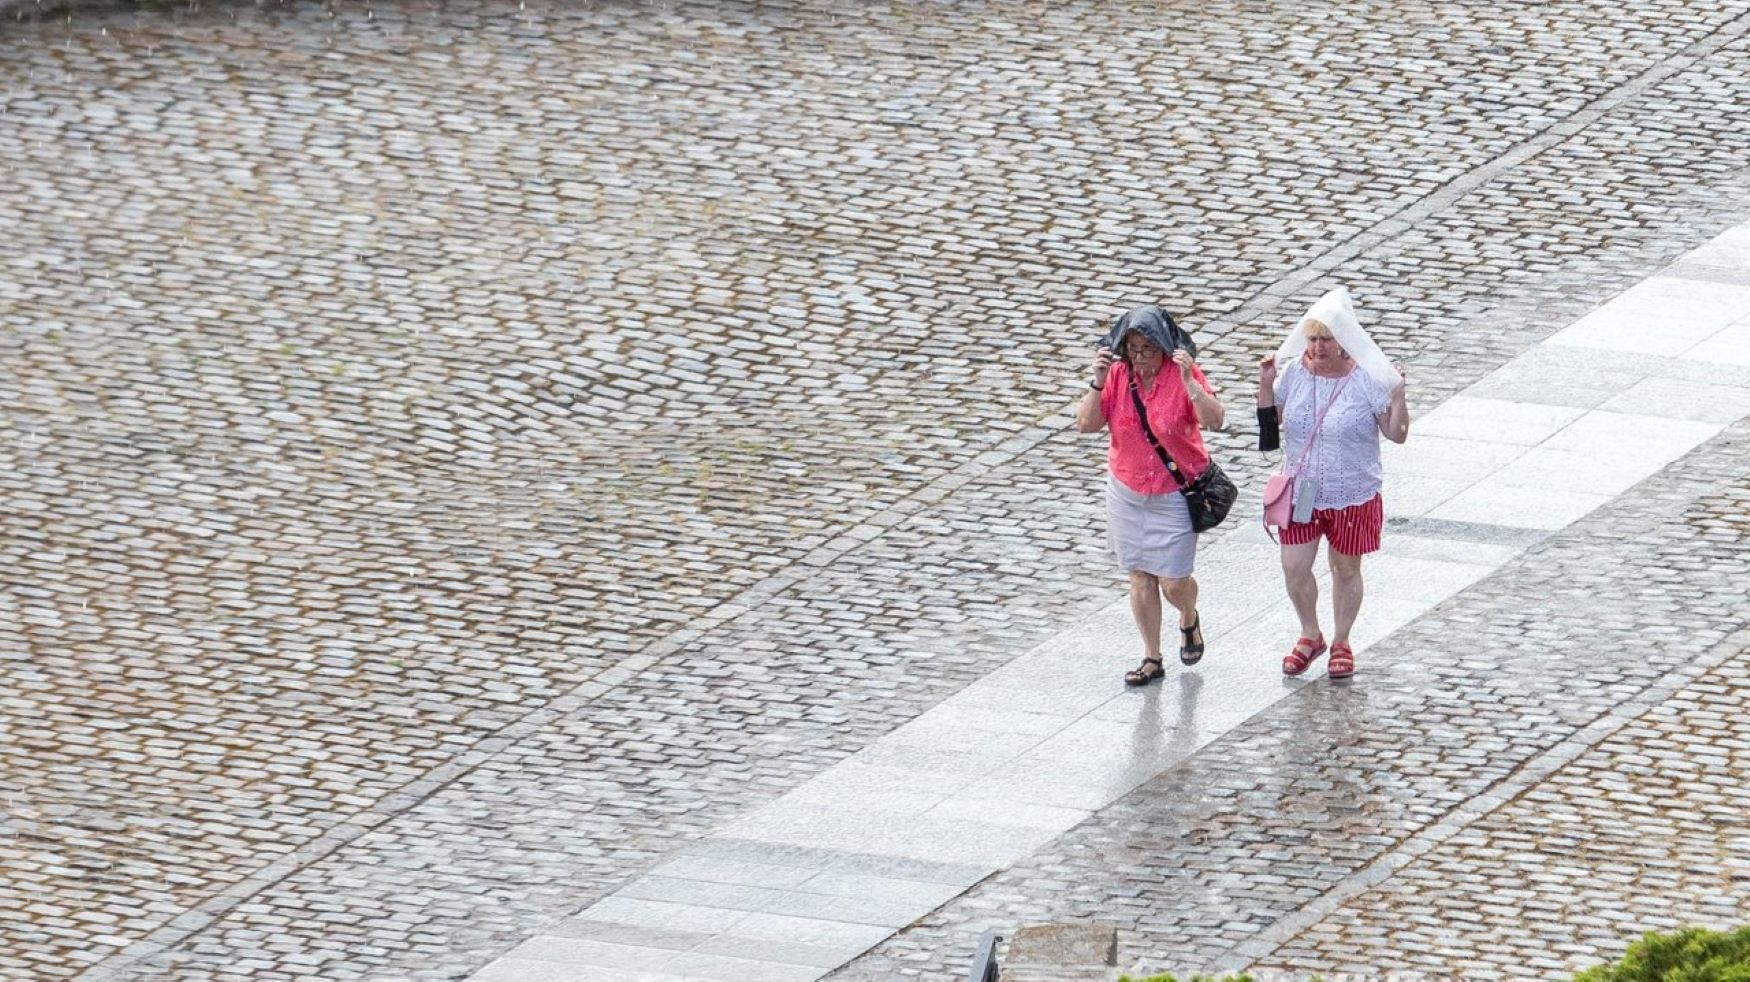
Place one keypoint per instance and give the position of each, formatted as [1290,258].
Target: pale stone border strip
[1037,746]
[1388,228]
[1528,776]
[346,831]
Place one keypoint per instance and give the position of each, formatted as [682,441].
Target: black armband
[1269,428]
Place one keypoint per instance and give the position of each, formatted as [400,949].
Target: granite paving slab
[459,458]
[1082,718]
[1463,809]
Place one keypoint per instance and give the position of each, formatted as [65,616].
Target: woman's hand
[1395,421]
[1089,417]
[1267,382]
[1182,358]
[1210,415]
[1102,364]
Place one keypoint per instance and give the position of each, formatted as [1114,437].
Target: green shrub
[1690,955]
[1169,977]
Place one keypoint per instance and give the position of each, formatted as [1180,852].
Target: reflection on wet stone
[377,377]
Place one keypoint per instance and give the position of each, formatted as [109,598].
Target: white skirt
[1150,533]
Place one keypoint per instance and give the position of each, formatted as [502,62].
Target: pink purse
[1278,501]
[1279,490]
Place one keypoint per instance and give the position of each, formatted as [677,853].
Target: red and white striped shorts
[1352,531]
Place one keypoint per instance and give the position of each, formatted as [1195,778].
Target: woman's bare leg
[1346,592]
[1182,594]
[1303,587]
[1145,607]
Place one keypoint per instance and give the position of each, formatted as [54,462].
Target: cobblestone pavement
[456,453]
[1643,831]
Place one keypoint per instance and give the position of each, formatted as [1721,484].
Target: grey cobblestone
[376,377]
[1642,834]
[1304,796]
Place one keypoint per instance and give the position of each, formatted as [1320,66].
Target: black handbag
[1210,496]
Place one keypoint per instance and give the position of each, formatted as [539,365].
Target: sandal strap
[1148,671]
[1302,654]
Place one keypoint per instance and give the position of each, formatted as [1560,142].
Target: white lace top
[1345,456]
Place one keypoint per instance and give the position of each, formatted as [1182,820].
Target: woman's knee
[1345,568]
[1298,562]
[1142,581]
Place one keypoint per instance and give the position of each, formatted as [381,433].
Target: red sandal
[1342,663]
[1303,655]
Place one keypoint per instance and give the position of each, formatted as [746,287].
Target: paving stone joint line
[1271,296]
[191,922]
[1154,865]
[503,737]
[1503,792]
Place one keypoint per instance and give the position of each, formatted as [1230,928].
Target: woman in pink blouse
[1148,359]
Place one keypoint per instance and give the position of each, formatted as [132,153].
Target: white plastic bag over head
[1335,311]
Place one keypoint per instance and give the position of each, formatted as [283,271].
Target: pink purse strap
[1306,450]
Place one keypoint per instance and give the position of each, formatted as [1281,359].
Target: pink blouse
[1129,455]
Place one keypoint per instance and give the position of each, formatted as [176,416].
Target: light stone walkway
[459,458]
[1614,831]
[811,880]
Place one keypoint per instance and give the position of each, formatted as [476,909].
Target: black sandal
[1191,653]
[1143,674]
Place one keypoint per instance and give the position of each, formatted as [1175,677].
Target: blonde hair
[1310,325]
[1334,310]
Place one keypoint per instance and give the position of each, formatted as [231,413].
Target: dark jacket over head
[1154,324]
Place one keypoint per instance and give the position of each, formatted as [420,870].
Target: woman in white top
[1337,393]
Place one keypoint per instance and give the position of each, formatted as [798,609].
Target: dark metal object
[984,963]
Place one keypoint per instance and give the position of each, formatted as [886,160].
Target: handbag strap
[1306,450]
[1148,431]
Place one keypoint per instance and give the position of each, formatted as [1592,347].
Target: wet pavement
[457,459]
[995,776]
